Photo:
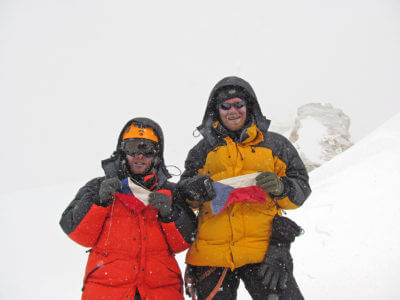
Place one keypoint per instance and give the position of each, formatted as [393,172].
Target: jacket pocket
[109,269]
[163,270]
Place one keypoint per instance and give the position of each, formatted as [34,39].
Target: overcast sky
[73,72]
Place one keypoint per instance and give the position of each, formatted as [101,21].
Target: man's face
[140,154]
[233,118]
[139,164]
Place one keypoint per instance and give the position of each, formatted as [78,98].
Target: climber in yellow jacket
[241,233]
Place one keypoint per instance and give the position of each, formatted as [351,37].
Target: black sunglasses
[227,106]
[135,147]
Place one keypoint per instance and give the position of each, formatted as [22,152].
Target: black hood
[161,171]
[211,114]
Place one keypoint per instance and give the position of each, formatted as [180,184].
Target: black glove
[270,182]
[278,264]
[162,202]
[198,188]
[107,191]
[275,268]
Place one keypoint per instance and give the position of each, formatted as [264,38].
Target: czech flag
[134,196]
[236,189]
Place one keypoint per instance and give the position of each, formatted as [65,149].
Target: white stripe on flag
[241,181]
[141,193]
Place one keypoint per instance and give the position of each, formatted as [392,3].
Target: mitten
[162,202]
[107,191]
[270,182]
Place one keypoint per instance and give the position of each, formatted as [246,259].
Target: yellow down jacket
[239,235]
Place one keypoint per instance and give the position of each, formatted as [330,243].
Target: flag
[134,196]
[236,189]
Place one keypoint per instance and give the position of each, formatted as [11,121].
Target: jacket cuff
[284,231]
[286,189]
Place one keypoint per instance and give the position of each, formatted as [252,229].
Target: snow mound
[351,245]
[320,133]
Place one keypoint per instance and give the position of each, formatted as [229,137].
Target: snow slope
[350,249]
[351,245]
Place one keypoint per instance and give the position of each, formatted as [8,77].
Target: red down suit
[132,249]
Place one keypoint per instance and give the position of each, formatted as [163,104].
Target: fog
[73,72]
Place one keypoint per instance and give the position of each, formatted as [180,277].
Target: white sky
[73,72]
[350,249]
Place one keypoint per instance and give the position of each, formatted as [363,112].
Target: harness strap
[206,274]
[215,290]
[189,280]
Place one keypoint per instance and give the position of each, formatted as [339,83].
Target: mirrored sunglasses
[134,147]
[227,106]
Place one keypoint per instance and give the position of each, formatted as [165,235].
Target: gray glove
[270,182]
[162,202]
[107,191]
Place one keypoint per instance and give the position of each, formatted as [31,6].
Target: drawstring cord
[109,227]
[196,134]
[179,170]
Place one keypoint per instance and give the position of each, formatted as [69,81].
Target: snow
[351,246]
[350,249]
[320,132]
[73,72]
[309,144]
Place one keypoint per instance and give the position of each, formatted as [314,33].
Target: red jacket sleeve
[175,239]
[89,229]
